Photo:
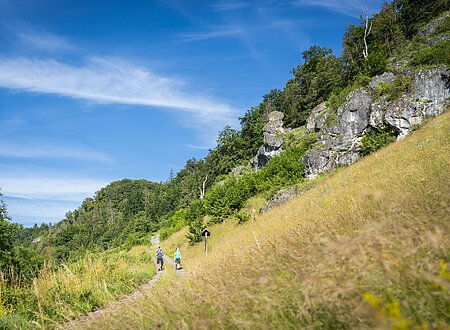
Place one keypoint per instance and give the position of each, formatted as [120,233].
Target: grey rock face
[317,120]
[354,114]
[386,77]
[340,144]
[282,197]
[429,97]
[273,142]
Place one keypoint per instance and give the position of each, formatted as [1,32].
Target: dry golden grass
[366,247]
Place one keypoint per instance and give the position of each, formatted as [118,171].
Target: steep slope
[367,246]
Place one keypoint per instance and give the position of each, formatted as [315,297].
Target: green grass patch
[377,138]
[434,55]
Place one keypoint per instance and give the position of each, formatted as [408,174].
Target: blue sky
[96,91]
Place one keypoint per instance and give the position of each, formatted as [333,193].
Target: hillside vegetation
[60,293]
[367,246]
[404,36]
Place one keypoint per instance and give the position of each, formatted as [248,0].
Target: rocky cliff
[340,132]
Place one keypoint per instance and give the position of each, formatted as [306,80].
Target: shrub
[196,228]
[377,139]
[394,90]
[434,55]
[338,97]
[27,261]
[443,27]
[227,199]
[243,216]
[377,62]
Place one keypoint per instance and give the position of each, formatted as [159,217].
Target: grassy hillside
[367,246]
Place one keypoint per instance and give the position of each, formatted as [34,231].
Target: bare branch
[202,189]
[367,31]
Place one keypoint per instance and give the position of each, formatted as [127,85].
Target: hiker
[177,257]
[159,258]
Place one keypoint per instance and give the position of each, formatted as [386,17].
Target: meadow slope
[366,247]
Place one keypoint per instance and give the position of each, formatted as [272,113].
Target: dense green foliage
[18,263]
[392,91]
[377,139]
[6,236]
[414,13]
[228,198]
[436,54]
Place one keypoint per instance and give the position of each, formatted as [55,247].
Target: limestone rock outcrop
[339,141]
[273,142]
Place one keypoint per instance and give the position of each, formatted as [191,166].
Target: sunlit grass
[376,229]
[77,288]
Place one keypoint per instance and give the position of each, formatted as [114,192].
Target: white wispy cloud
[28,212]
[44,41]
[193,146]
[117,81]
[353,8]
[50,151]
[37,187]
[228,6]
[212,33]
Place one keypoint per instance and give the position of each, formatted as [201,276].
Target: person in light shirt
[177,258]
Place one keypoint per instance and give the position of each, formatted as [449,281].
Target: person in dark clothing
[159,258]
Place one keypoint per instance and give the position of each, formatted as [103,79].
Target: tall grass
[74,289]
[366,247]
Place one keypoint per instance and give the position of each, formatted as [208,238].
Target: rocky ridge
[339,141]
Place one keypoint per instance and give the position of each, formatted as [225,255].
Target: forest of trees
[124,212]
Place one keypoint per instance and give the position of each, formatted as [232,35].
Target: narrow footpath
[78,323]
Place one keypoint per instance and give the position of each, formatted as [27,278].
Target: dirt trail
[78,323]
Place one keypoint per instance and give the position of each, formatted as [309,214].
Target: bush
[394,90]
[377,139]
[339,97]
[227,199]
[243,216]
[443,27]
[27,262]
[434,55]
[377,62]
[196,228]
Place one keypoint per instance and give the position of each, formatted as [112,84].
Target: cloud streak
[49,151]
[214,33]
[353,8]
[229,6]
[111,81]
[28,212]
[49,188]
[44,41]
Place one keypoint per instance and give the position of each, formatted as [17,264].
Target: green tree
[313,82]
[194,217]
[6,236]
[413,13]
